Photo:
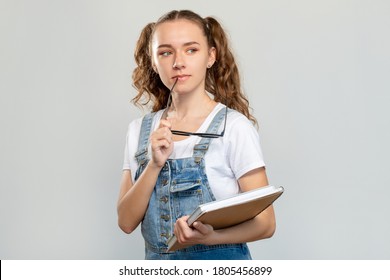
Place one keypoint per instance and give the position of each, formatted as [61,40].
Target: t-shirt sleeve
[131,145]
[126,156]
[244,149]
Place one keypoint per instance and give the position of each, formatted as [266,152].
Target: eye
[192,50]
[165,53]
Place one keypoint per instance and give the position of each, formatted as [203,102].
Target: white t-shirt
[227,159]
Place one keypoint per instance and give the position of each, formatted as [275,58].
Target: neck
[185,106]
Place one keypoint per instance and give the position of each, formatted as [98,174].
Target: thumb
[165,123]
[203,228]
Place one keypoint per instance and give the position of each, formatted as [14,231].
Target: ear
[212,57]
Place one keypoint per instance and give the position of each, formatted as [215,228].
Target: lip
[181,77]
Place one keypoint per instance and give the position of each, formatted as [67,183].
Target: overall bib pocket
[186,195]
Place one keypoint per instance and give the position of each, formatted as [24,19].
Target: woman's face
[180,51]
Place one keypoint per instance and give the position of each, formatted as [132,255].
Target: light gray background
[316,73]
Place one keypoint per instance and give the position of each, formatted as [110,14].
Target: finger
[165,123]
[182,231]
[184,218]
[162,134]
[157,144]
[182,224]
[203,228]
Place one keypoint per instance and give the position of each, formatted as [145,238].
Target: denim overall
[181,186]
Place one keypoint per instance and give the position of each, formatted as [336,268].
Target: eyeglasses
[204,135]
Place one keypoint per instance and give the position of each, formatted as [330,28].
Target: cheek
[200,66]
[162,65]
[158,61]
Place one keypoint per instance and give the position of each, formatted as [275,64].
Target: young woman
[191,149]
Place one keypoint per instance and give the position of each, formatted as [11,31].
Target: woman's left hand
[199,233]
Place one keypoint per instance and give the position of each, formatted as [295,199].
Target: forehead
[178,32]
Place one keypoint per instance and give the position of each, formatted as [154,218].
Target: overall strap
[143,142]
[201,148]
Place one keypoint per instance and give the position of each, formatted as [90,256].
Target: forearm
[261,227]
[134,201]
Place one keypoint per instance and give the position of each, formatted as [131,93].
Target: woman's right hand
[162,143]
[134,197]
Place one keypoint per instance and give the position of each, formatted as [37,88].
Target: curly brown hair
[222,79]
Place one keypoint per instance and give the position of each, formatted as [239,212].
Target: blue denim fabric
[202,252]
[181,186]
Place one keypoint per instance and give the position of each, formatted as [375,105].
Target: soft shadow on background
[316,73]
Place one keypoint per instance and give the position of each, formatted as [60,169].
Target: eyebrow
[185,45]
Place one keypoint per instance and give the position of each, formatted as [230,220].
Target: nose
[178,63]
